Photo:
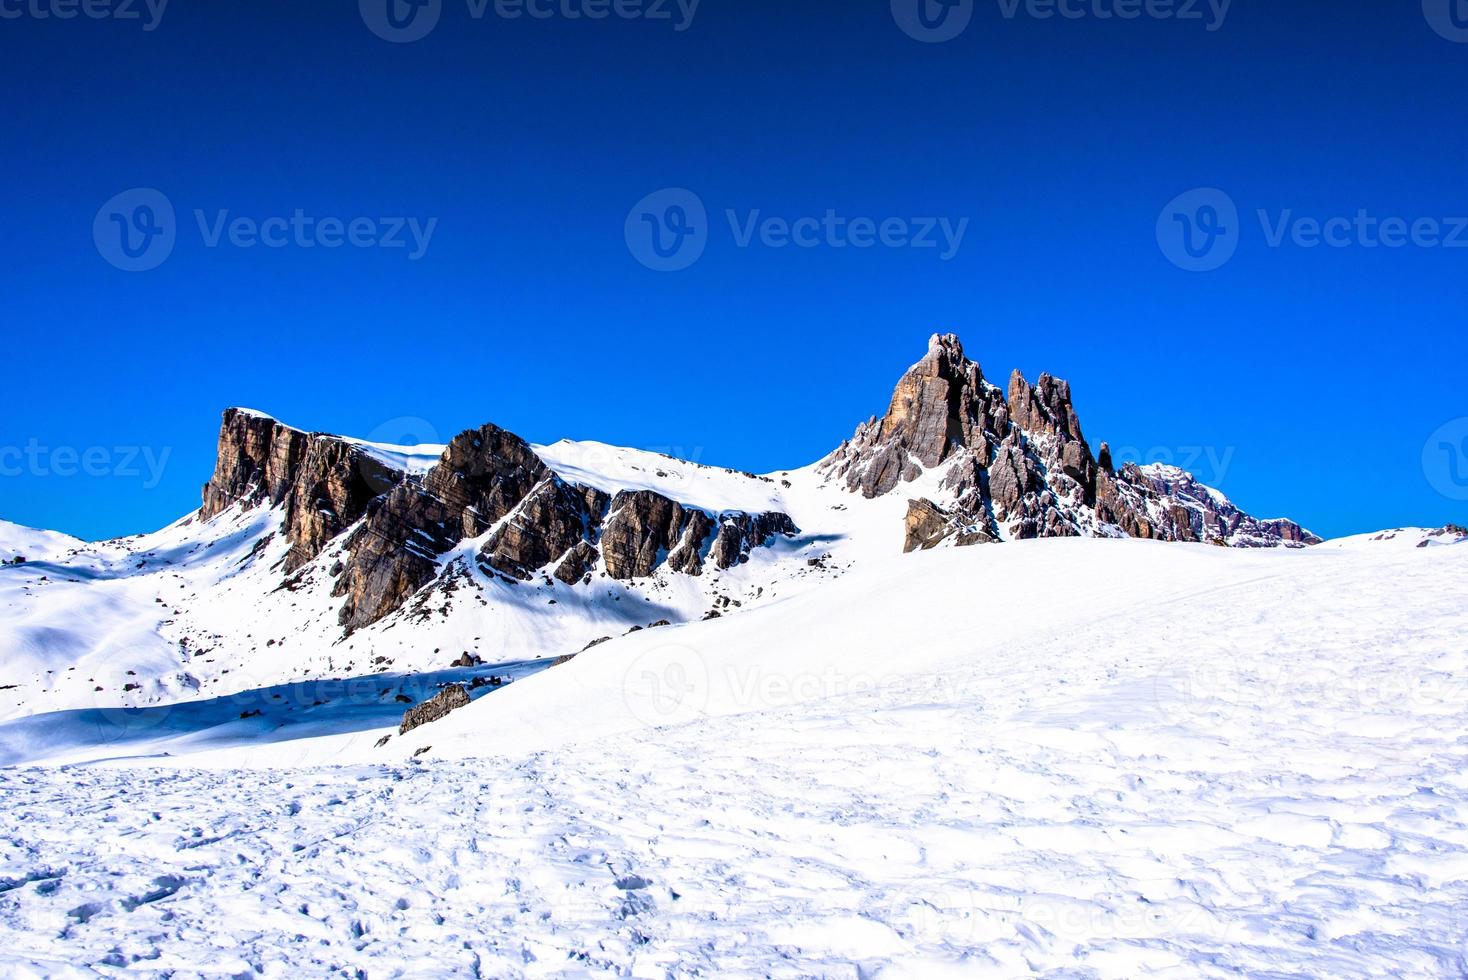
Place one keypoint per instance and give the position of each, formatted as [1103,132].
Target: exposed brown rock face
[645,528]
[451,698]
[548,523]
[641,528]
[482,475]
[487,480]
[578,563]
[739,534]
[927,524]
[941,405]
[324,483]
[1179,508]
[1021,464]
[1019,461]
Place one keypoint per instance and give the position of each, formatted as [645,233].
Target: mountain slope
[1203,762]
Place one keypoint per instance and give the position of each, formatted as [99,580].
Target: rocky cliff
[488,487]
[323,483]
[1015,464]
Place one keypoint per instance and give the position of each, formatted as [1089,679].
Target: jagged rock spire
[1019,466]
[941,405]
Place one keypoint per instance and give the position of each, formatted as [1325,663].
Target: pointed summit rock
[940,406]
[1016,465]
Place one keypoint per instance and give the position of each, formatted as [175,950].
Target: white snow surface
[613,469]
[1077,758]
[16,540]
[1069,758]
[416,459]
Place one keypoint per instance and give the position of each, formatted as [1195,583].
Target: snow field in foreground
[1062,758]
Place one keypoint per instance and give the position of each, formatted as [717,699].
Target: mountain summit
[1018,467]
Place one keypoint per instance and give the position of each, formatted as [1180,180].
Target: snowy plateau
[964,698]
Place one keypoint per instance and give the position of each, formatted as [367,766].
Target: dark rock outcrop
[554,518]
[740,533]
[1170,504]
[482,475]
[451,698]
[490,481]
[927,525]
[644,529]
[941,405]
[577,564]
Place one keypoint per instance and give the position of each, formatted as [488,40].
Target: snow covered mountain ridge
[530,710]
[316,555]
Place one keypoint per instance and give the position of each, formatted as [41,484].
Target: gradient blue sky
[1315,376]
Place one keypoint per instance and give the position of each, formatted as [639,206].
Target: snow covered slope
[30,544]
[1060,757]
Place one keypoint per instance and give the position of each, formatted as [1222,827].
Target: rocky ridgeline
[488,483]
[1016,464]
[1195,512]
[1007,463]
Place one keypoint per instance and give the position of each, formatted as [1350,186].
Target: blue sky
[1322,382]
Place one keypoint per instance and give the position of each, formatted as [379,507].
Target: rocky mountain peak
[932,412]
[1044,407]
[941,405]
[1017,465]
[1006,464]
